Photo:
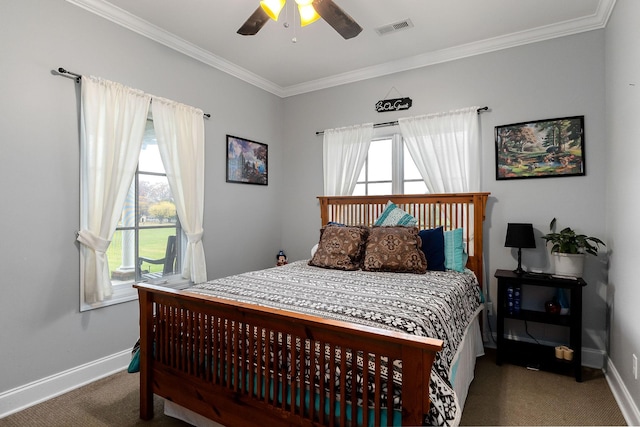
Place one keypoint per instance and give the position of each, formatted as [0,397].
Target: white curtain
[446,149]
[112,122]
[180,132]
[344,153]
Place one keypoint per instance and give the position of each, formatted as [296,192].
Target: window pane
[362,177]
[121,256]
[127,217]
[415,187]
[150,160]
[154,245]
[379,160]
[155,201]
[359,190]
[378,189]
[410,169]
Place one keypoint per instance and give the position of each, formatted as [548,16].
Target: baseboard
[593,358]
[629,409]
[38,391]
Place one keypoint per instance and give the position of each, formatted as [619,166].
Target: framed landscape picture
[247,161]
[540,149]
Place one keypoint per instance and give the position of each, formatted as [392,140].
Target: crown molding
[594,22]
[123,18]
[127,20]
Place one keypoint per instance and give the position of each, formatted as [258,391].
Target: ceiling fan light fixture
[308,14]
[309,10]
[272,7]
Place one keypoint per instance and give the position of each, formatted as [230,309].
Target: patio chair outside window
[169,260]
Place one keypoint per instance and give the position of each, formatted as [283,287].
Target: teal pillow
[134,365]
[393,215]
[455,258]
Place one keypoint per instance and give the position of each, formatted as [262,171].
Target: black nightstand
[535,355]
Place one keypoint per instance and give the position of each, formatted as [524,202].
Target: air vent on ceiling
[405,24]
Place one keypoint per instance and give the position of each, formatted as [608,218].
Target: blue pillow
[433,248]
[455,258]
[393,215]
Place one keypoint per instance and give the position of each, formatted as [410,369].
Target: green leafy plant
[568,242]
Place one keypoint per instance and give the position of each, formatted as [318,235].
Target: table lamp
[519,236]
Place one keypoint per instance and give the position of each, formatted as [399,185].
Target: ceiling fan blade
[337,18]
[255,22]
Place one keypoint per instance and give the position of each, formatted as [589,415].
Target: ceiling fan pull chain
[295,27]
[286,13]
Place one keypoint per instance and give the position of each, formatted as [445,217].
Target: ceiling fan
[310,11]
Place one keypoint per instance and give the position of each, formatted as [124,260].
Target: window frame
[124,291]
[398,180]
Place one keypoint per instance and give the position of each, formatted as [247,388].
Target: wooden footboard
[238,363]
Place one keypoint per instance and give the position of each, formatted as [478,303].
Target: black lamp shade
[520,236]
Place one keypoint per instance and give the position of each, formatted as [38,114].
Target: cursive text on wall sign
[396,104]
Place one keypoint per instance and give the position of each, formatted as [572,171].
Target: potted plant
[569,249]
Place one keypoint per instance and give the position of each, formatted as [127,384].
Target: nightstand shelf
[537,356]
[533,355]
[540,317]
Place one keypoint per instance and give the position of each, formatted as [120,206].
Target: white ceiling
[443,30]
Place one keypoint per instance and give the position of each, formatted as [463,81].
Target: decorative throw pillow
[433,248]
[134,365]
[455,258]
[340,247]
[395,249]
[393,215]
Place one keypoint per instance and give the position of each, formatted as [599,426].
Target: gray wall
[42,331]
[623,128]
[556,78]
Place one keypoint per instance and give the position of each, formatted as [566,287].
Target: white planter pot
[568,264]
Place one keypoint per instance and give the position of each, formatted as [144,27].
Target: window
[389,169]
[144,246]
[148,241]
[113,123]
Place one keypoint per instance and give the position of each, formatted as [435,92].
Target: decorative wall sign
[541,148]
[396,104]
[246,161]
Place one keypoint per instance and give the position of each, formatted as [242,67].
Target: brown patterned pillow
[340,247]
[396,249]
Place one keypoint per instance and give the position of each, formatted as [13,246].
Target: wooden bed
[196,351]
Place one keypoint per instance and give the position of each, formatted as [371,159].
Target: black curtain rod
[78,77]
[385,124]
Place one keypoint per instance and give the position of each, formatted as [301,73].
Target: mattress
[436,304]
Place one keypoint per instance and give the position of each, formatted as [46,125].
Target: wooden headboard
[451,211]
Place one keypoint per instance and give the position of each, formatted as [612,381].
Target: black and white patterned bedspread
[436,304]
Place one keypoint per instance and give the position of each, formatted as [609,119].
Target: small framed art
[247,161]
[540,148]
